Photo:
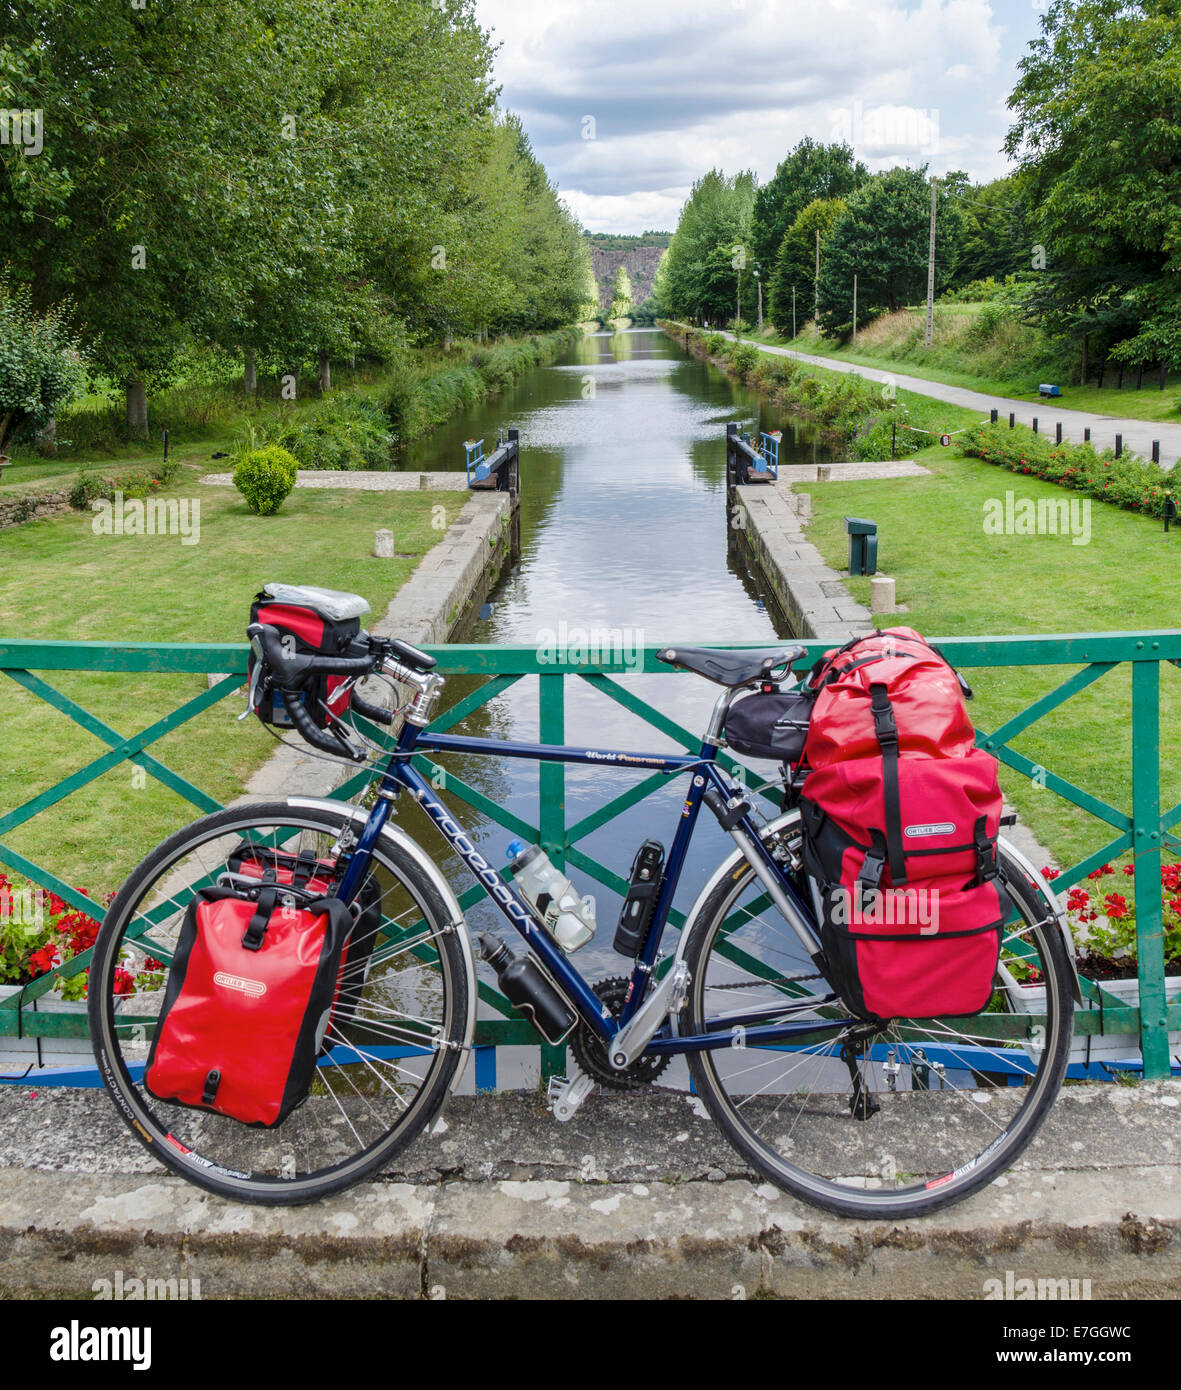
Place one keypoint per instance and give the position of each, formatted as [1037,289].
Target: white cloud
[676,87]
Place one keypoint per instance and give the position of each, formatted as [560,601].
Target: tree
[1098,132]
[621,295]
[795,266]
[41,368]
[809,172]
[883,238]
[698,275]
[996,240]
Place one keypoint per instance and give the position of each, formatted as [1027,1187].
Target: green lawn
[1150,403]
[61,581]
[956,580]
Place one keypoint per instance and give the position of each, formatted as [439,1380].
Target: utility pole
[931,271]
[854,308]
[816,285]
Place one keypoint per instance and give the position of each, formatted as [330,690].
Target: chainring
[591,1054]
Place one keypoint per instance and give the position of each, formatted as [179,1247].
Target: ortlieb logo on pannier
[900,814]
[248,1002]
[311,621]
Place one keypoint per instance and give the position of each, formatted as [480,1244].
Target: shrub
[344,432]
[41,367]
[744,357]
[714,344]
[264,477]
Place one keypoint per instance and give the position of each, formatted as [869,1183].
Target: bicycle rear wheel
[900,1122]
[382,1075]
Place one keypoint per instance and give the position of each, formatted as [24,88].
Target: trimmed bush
[265,477]
[1130,482]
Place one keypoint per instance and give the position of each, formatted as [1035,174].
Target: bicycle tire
[395,1085]
[872,1167]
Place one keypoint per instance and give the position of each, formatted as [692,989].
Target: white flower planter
[1100,1047]
[17,1054]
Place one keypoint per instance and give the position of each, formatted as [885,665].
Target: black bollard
[993,417]
[1087,435]
[1058,433]
[1035,424]
[1119,445]
[1170,510]
[1156,451]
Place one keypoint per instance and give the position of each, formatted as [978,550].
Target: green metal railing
[1142,828]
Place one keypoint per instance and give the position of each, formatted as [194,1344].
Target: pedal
[564,1096]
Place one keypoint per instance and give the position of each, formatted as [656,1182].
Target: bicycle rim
[382,1073]
[913,1118]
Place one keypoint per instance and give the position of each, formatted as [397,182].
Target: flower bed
[1130,481]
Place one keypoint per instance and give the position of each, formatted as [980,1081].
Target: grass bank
[860,419]
[210,413]
[65,582]
[983,347]
[957,578]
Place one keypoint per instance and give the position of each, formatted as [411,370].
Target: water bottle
[568,917]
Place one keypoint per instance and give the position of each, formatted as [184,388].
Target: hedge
[1131,482]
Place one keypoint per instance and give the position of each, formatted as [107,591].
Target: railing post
[552,776]
[514,439]
[1146,850]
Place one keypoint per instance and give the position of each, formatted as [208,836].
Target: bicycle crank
[591,1054]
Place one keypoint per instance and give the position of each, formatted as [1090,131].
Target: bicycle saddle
[731,668]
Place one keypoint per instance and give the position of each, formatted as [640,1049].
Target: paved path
[1137,434]
[362,480]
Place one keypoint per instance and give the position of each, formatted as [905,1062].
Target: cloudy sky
[629,101]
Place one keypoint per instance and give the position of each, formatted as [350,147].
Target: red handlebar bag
[306,629]
[247,1004]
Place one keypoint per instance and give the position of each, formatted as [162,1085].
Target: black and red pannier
[900,815]
[252,863]
[311,622]
[251,989]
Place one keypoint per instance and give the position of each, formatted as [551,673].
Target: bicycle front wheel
[890,1123]
[381,1075]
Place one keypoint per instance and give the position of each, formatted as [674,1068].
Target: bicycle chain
[778,980]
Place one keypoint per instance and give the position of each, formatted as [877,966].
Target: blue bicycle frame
[758,1027]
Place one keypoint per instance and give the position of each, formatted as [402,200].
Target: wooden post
[894,438]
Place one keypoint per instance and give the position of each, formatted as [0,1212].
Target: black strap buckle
[255,933]
[209,1091]
[986,862]
[883,717]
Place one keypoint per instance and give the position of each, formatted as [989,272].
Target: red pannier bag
[247,1004]
[900,815]
[252,862]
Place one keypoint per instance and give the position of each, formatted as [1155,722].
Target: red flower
[43,960]
[1078,899]
[1101,871]
[1130,870]
[1050,874]
[124,984]
[1116,907]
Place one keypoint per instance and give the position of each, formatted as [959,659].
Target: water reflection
[624,535]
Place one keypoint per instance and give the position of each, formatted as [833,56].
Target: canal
[624,542]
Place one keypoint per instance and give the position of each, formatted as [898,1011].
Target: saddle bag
[900,816]
[247,1004]
[311,621]
[770,724]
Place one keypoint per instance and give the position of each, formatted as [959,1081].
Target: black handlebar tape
[293,670]
[377,714]
[318,738]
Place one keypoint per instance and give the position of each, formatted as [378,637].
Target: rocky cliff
[640,262]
